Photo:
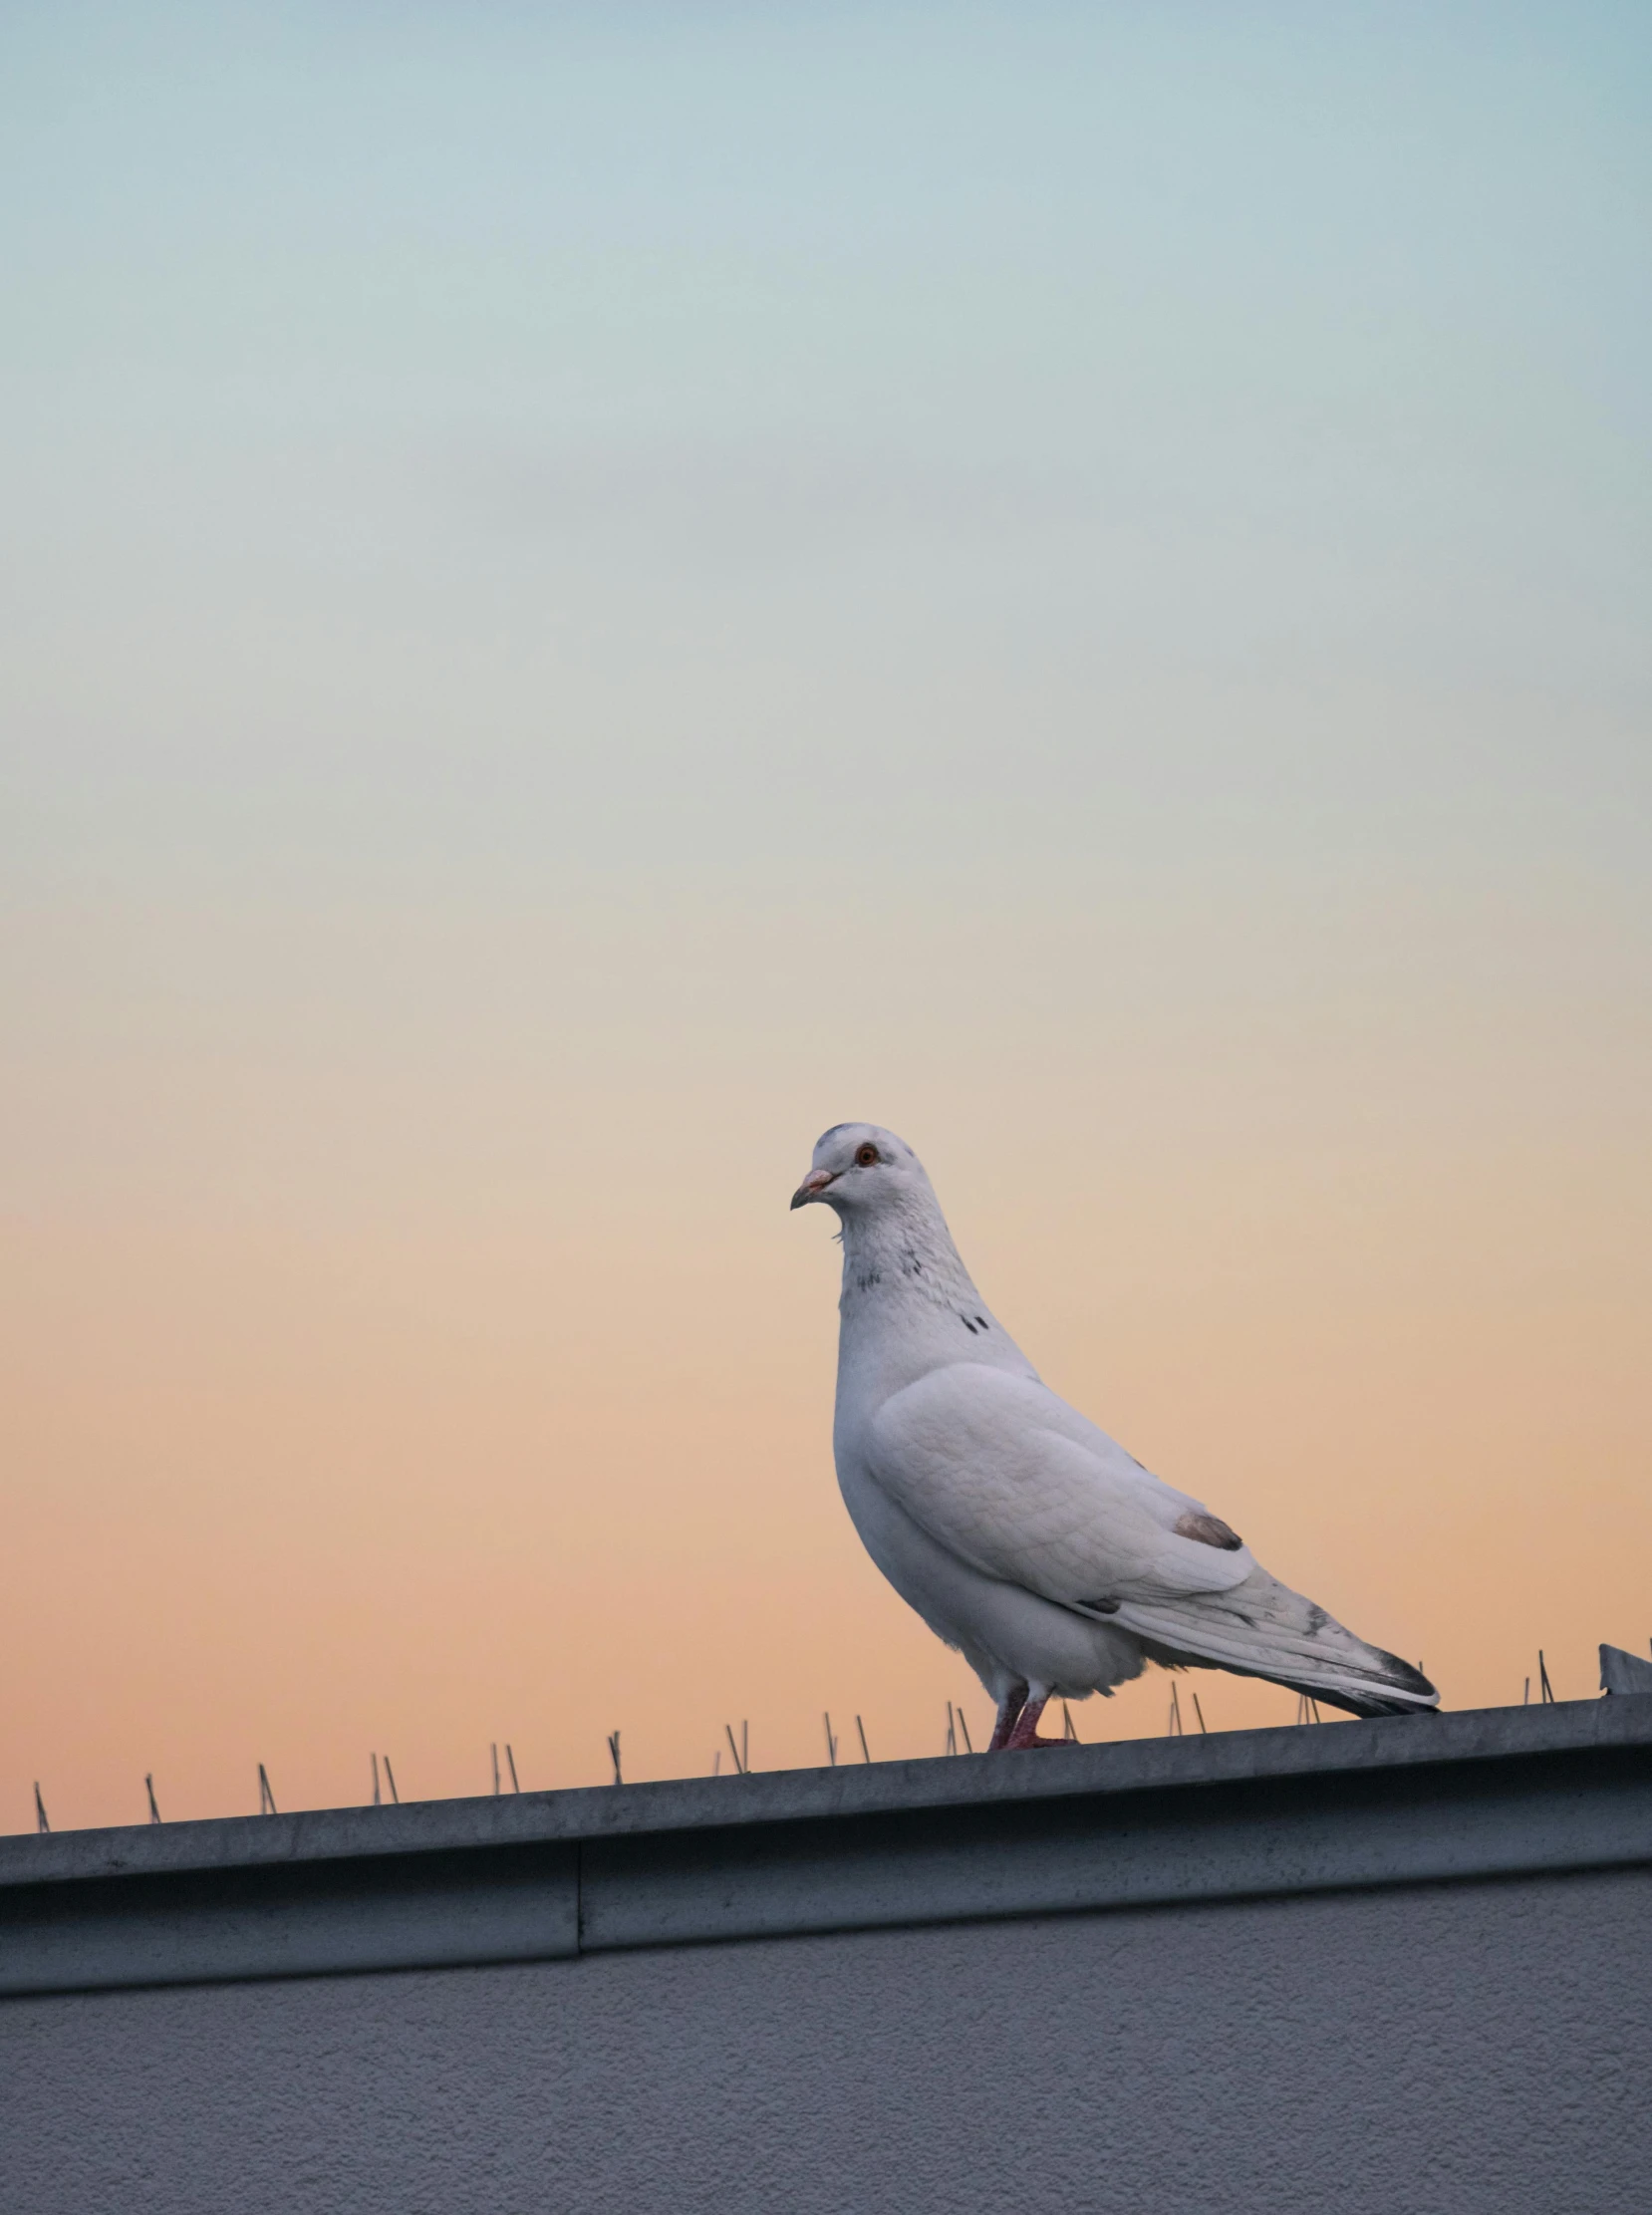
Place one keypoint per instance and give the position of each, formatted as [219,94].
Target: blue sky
[423,430]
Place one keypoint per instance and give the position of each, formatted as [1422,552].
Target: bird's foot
[1024,1736]
[1009,1710]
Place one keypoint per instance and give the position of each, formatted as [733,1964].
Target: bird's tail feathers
[1261,1628]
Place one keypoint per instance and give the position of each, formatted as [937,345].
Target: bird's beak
[813,1185]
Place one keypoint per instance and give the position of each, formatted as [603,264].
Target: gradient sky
[588,592]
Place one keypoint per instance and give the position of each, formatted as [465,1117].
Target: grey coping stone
[1156,1821]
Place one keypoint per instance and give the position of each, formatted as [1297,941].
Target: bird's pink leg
[1025,1733]
[1009,1707]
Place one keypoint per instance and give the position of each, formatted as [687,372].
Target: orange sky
[360,1401]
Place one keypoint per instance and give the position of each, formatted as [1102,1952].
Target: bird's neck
[903,1249]
[908,1304]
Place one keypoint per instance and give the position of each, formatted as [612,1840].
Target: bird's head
[859,1168]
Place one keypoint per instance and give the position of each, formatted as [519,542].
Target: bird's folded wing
[1001,1471]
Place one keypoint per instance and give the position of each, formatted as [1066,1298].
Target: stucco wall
[1477,2049]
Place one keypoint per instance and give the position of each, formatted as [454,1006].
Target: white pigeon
[1024,1537]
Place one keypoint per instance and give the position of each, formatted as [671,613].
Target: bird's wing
[1001,1471]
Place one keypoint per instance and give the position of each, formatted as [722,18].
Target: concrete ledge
[1494,1792]
[226,1926]
[1624,1673]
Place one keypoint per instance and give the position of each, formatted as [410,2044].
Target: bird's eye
[865,1156]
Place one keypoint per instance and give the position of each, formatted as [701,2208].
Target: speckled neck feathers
[906,1250]
[909,1305]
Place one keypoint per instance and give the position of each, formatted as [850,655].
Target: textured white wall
[1472,2050]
